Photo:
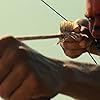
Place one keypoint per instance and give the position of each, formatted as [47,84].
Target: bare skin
[73,48]
[28,75]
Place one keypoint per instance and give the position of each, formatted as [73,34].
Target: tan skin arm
[28,75]
[22,72]
[82,81]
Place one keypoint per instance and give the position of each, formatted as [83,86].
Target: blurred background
[32,17]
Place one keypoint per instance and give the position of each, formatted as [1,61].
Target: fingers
[70,45]
[75,48]
[74,45]
[13,80]
[26,90]
[10,55]
[16,81]
[12,68]
[74,53]
[7,60]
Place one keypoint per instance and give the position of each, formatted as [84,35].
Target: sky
[32,17]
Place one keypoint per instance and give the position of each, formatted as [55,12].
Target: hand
[18,77]
[82,43]
[74,48]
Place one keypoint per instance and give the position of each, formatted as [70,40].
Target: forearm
[78,80]
[81,81]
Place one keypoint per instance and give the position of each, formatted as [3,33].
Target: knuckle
[8,41]
[7,38]
[22,52]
